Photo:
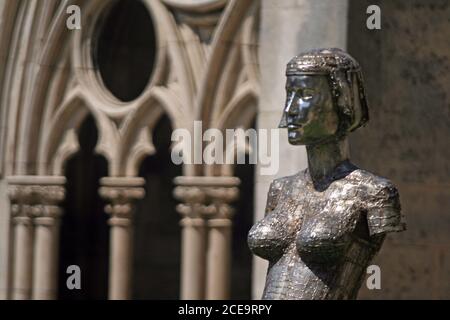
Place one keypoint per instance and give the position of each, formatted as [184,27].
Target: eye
[306,94]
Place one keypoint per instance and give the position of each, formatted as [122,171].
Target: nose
[290,108]
[287,110]
[297,108]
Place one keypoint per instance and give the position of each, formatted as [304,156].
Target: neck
[323,158]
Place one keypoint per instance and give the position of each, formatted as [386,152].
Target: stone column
[219,241]
[206,235]
[193,240]
[121,193]
[287,28]
[46,218]
[23,243]
[34,202]
[5,240]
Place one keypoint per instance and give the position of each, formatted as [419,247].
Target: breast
[324,237]
[269,237]
[265,243]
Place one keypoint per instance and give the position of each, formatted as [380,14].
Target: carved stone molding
[121,193]
[35,197]
[206,197]
[201,16]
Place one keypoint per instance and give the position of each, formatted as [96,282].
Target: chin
[296,141]
[296,138]
[299,139]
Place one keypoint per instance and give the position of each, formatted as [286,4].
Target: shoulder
[279,183]
[275,190]
[372,185]
[381,202]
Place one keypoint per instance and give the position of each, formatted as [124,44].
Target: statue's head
[325,97]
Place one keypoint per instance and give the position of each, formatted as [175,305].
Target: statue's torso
[319,243]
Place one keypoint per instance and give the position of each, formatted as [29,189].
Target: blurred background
[91,91]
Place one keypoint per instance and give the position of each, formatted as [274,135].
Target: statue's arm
[384,211]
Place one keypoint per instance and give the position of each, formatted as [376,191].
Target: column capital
[35,197]
[206,197]
[121,193]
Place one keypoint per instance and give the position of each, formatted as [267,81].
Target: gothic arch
[62,64]
[224,44]
[49,59]
[59,140]
[205,69]
[241,110]
[141,121]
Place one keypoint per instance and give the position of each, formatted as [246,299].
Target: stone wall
[406,66]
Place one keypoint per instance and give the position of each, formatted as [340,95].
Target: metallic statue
[324,225]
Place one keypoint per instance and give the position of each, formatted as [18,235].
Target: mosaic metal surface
[324,225]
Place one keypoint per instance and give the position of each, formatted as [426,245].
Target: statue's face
[309,114]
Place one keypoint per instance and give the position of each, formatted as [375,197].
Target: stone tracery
[202,71]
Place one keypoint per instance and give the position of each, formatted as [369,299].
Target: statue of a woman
[324,225]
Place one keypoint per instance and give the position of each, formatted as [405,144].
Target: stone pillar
[46,223]
[5,240]
[35,212]
[206,235]
[219,240]
[23,246]
[193,241]
[287,28]
[121,193]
